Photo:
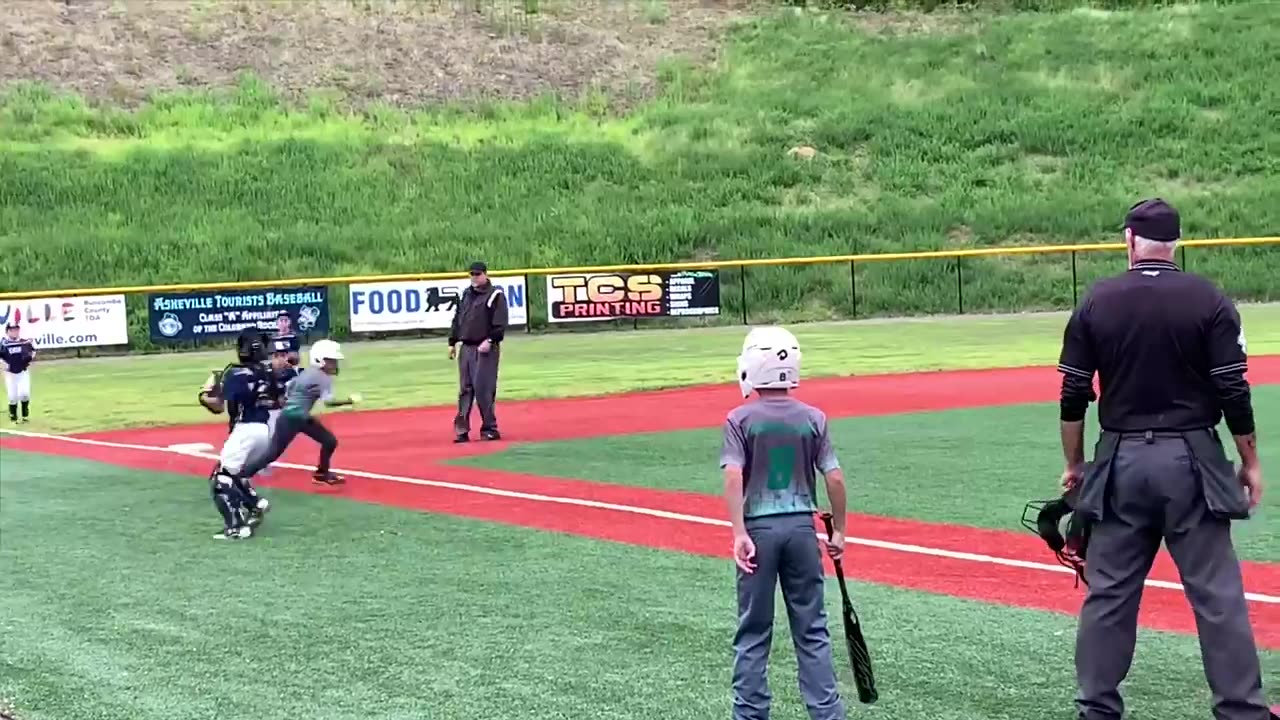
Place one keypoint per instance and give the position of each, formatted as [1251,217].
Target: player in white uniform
[17,354]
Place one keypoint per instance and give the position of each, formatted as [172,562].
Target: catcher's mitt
[212,390]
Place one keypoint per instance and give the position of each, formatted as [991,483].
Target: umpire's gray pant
[478,383]
[1154,493]
[787,553]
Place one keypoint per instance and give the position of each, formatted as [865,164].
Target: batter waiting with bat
[313,385]
[772,451]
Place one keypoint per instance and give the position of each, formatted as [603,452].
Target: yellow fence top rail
[676,266]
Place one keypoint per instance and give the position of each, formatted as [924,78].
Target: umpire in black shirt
[479,323]
[1169,352]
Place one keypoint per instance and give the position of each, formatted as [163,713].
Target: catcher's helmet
[251,346]
[1070,544]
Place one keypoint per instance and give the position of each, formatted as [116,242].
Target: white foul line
[188,450]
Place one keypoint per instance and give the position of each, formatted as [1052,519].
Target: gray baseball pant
[1154,493]
[787,553]
[478,384]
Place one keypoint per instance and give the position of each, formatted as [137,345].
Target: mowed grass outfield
[488,581]
[931,131]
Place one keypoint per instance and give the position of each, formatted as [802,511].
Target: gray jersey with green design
[780,443]
[311,386]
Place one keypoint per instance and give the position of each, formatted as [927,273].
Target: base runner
[772,451]
[313,385]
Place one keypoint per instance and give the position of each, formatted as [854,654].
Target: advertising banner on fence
[606,296]
[52,323]
[179,317]
[424,304]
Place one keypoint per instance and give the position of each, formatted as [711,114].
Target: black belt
[1150,436]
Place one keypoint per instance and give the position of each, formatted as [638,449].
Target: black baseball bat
[859,655]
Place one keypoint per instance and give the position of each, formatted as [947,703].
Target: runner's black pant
[286,429]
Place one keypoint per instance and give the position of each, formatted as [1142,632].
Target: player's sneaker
[327,478]
[236,533]
[255,516]
[491,435]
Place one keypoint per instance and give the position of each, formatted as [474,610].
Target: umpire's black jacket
[481,315]
[1169,351]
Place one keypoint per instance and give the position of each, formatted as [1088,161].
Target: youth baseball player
[773,449]
[315,384]
[245,394]
[282,373]
[285,334]
[17,354]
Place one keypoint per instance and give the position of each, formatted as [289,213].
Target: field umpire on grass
[479,322]
[1169,352]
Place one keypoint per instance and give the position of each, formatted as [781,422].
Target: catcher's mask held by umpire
[1070,545]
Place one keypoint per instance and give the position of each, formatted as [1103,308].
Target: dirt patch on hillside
[406,53]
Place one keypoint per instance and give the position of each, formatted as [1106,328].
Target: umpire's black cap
[479,268]
[1154,219]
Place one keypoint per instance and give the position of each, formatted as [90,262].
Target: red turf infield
[412,444]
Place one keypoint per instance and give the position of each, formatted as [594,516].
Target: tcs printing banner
[606,296]
[429,304]
[177,317]
[51,323]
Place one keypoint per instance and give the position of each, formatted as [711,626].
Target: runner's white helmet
[770,359]
[325,350]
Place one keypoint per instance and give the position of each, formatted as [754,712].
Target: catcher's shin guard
[227,498]
[254,505]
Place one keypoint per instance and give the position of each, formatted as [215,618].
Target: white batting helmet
[325,350]
[770,359]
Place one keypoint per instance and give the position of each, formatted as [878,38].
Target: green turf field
[950,131]
[103,393]
[356,611]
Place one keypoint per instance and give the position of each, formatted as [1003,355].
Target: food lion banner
[178,317]
[607,296]
[51,323]
[424,304]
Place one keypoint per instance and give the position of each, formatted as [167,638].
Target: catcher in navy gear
[244,391]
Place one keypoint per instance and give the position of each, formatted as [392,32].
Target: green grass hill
[166,148]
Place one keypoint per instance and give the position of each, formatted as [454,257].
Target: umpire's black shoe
[462,438]
[491,435]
